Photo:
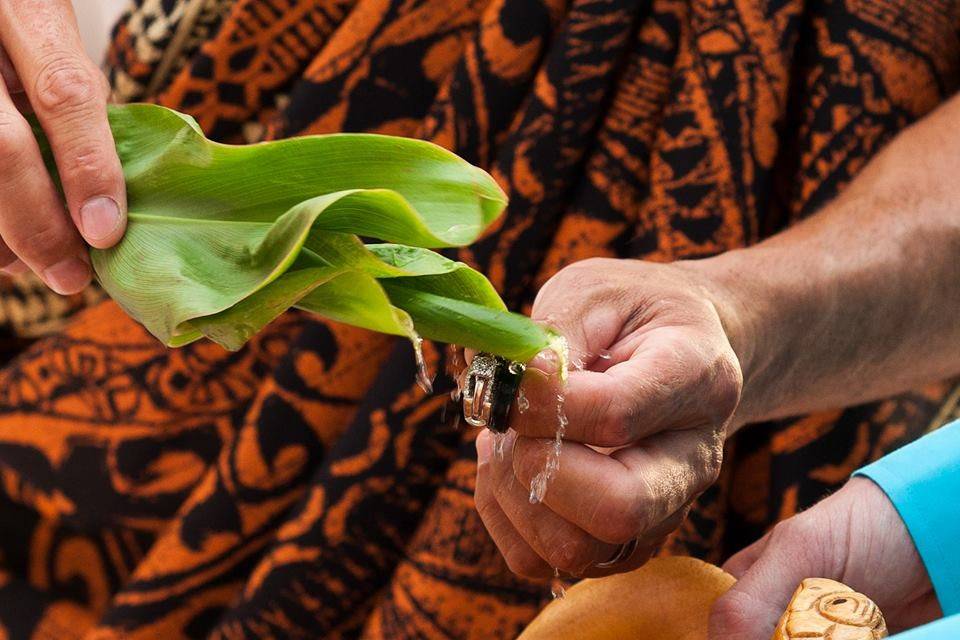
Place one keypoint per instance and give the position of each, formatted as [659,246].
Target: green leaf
[222,239]
[466,323]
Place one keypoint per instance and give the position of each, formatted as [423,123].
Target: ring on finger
[490,387]
[623,553]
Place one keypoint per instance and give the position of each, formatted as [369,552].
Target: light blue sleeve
[943,629]
[922,481]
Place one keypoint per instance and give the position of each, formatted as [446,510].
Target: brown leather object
[666,599]
[823,609]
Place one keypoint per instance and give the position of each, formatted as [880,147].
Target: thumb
[578,303]
[753,606]
[568,305]
[571,303]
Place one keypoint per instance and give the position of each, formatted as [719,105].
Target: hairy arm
[860,301]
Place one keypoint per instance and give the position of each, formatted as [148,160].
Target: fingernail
[484,447]
[546,362]
[67,276]
[100,218]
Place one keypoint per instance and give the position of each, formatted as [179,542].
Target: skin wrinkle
[594,515]
[42,53]
[819,542]
[664,397]
[581,550]
[807,320]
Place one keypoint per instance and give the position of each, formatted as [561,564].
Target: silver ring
[490,387]
[623,554]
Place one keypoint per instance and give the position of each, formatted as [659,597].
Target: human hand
[856,537]
[46,71]
[659,385]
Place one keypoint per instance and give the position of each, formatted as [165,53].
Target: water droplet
[458,372]
[456,362]
[561,352]
[424,381]
[549,358]
[523,403]
[577,362]
[498,440]
[538,487]
[556,585]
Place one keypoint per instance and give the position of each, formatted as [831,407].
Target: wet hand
[46,71]
[648,408]
[856,537]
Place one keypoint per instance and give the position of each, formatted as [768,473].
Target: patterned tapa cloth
[303,487]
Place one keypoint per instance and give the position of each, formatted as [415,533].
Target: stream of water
[424,379]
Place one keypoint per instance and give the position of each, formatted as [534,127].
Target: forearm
[860,301]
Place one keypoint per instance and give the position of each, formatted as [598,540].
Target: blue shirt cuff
[922,481]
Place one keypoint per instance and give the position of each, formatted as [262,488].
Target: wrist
[727,282]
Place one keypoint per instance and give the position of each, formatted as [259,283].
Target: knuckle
[483,502]
[617,519]
[792,533]
[572,556]
[522,561]
[85,166]
[586,282]
[572,278]
[66,84]
[614,420]
[810,545]
[708,461]
[730,616]
[618,530]
[15,140]
[780,533]
[712,382]
[728,384]
[528,456]
[725,610]
[501,479]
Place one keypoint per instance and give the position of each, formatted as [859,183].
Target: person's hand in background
[45,71]
[855,537]
[659,384]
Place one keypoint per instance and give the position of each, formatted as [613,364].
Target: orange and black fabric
[303,487]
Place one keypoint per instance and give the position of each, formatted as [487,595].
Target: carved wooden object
[823,609]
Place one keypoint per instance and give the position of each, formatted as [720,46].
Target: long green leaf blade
[222,239]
